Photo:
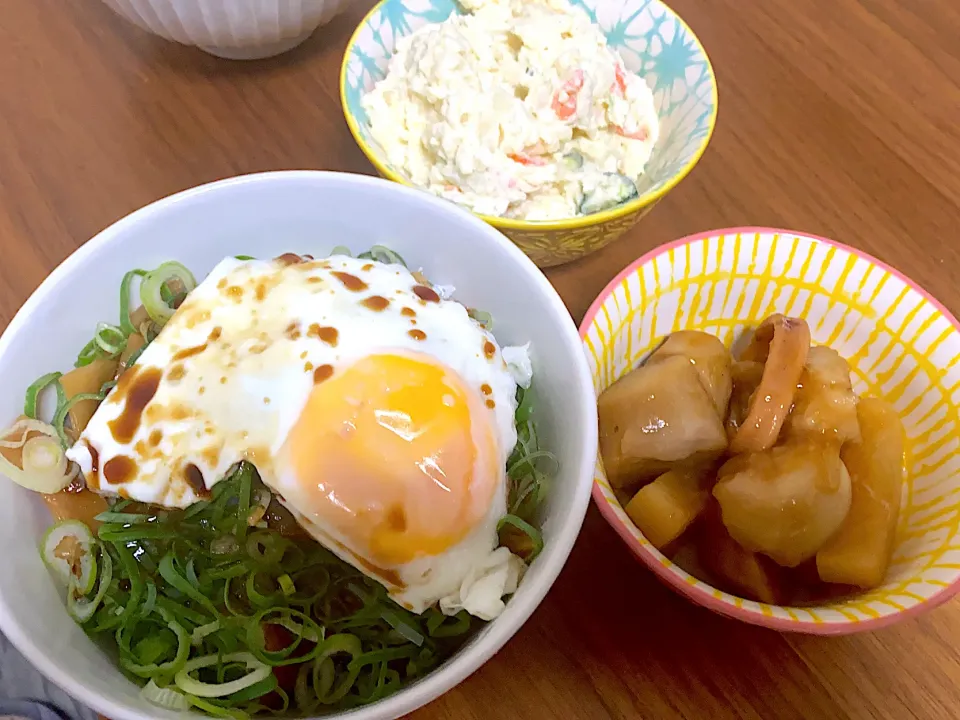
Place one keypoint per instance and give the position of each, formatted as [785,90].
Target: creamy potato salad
[518,109]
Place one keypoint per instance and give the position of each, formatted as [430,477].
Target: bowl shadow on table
[662,652]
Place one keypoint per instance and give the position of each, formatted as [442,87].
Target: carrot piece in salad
[565,100]
[527,159]
[620,82]
[642,134]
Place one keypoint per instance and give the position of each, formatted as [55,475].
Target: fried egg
[380,414]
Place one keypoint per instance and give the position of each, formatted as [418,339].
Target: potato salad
[517,109]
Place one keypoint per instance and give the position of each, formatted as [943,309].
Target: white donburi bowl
[232,29]
[266,215]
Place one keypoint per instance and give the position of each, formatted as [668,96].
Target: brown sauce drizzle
[215,334]
[190,352]
[119,469]
[138,393]
[350,282]
[293,331]
[368,266]
[329,335]
[235,293]
[427,294]
[176,373]
[289,259]
[408,312]
[377,303]
[322,373]
[486,389]
[155,437]
[491,404]
[194,478]
[489,349]
[417,334]
[93,479]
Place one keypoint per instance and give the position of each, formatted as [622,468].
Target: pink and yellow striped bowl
[901,343]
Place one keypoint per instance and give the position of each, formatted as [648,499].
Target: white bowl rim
[552,560]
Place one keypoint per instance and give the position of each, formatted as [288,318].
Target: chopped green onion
[69,549]
[81,608]
[405,629]
[109,516]
[528,551]
[126,326]
[341,250]
[89,353]
[257,672]
[201,632]
[33,392]
[244,258]
[110,339]
[157,282]
[482,317]
[382,254]
[286,585]
[167,698]
[171,666]
[60,416]
[168,572]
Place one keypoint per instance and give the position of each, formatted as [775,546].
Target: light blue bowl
[654,43]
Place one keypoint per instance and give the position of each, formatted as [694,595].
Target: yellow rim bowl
[654,43]
[901,344]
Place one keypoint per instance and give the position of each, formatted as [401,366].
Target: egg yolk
[398,454]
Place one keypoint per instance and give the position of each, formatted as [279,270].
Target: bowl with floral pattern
[653,42]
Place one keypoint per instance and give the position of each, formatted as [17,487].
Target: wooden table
[837,117]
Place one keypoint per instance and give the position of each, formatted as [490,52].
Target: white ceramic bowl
[232,29]
[266,215]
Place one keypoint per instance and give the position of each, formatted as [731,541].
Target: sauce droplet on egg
[137,392]
[417,334]
[190,352]
[194,478]
[322,373]
[427,294]
[119,469]
[489,349]
[377,303]
[350,282]
[328,335]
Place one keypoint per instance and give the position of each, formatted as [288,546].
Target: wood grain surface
[838,117]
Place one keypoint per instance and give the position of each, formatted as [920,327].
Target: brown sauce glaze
[350,282]
[427,294]
[136,395]
[377,303]
[324,372]
[119,469]
[194,478]
[417,334]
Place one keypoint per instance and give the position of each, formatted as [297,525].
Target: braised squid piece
[655,416]
[781,344]
[709,356]
[825,404]
[746,376]
[785,502]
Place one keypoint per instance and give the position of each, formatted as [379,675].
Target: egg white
[238,361]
